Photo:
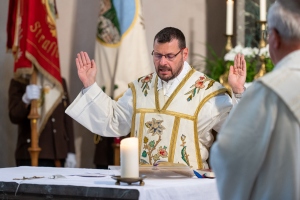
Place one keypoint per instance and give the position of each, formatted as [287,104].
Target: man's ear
[185,53]
[276,39]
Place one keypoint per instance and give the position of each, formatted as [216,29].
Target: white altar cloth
[179,188]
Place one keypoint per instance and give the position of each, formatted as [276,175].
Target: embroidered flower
[183,140]
[145,83]
[184,155]
[163,152]
[182,137]
[147,79]
[202,78]
[199,84]
[150,152]
[155,127]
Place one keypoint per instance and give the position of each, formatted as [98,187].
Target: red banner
[32,37]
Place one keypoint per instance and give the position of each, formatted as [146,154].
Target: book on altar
[166,170]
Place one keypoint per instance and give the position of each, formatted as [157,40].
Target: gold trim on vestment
[173,139]
[131,86]
[156,96]
[140,134]
[177,117]
[166,112]
[197,145]
[182,83]
[215,93]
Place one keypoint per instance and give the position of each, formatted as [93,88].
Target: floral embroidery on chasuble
[169,132]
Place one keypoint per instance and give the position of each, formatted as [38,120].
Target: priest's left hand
[237,74]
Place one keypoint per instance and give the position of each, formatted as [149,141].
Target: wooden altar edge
[65,192]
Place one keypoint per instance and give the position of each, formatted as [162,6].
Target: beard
[174,72]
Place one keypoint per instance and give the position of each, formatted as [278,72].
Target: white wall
[187,15]
[76,28]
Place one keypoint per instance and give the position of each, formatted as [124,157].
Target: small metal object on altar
[29,178]
[129,181]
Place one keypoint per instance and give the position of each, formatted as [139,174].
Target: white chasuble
[282,79]
[169,132]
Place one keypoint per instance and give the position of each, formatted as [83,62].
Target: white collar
[172,84]
[293,58]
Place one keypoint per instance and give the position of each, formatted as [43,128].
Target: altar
[81,183]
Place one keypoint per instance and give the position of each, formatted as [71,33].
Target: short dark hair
[169,33]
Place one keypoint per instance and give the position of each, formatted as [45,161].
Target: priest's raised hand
[237,74]
[86,69]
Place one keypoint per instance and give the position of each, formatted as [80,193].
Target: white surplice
[101,115]
[257,152]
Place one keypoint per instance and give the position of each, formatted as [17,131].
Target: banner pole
[34,116]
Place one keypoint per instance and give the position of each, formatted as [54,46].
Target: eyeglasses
[169,56]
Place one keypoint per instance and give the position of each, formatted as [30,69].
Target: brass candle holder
[228,46]
[224,77]
[263,28]
[262,44]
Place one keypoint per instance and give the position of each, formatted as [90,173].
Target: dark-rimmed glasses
[169,56]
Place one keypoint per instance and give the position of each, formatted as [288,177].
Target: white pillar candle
[229,17]
[263,10]
[129,157]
